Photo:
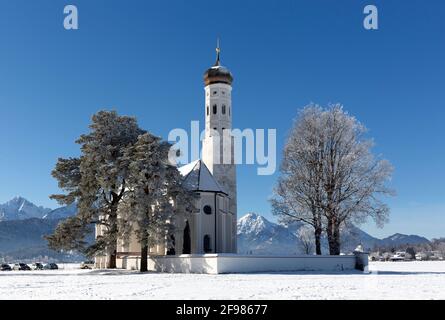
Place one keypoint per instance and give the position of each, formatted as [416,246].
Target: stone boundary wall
[234,263]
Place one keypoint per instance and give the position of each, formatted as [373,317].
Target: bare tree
[299,191]
[439,245]
[306,239]
[329,176]
[352,177]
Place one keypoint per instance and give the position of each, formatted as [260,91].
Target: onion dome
[218,73]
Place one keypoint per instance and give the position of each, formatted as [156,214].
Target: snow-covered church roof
[197,177]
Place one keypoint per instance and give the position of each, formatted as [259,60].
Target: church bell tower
[218,146]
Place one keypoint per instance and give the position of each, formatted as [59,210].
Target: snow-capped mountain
[20,209]
[23,226]
[254,224]
[257,235]
[62,212]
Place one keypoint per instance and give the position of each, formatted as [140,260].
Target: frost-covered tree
[439,245]
[306,239]
[155,194]
[353,178]
[97,179]
[69,235]
[299,191]
[329,175]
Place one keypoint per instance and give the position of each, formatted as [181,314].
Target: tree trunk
[144,253]
[330,234]
[112,220]
[318,229]
[333,232]
[317,234]
[337,243]
[112,259]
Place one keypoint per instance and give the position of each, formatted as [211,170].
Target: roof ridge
[193,168]
[216,182]
[200,181]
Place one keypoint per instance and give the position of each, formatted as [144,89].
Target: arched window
[215,108]
[207,244]
[207,209]
[187,243]
[223,109]
[208,110]
[171,250]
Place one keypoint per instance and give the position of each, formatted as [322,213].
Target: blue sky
[146,58]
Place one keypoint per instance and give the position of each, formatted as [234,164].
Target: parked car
[37,266]
[51,266]
[21,267]
[87,265]
[5,267]
[398,257]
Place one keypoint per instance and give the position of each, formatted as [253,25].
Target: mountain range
[257,235]
[21,209]
[24,224]
[24,240]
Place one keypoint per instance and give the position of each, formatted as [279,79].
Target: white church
[213,178]
[205,242]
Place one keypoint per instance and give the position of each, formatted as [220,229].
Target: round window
[207,209]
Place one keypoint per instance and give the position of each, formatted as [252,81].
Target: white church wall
[184,264]
[207,220]
[197,227]
[249,264]
[230,263]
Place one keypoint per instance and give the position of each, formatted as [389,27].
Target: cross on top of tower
[217,73]
[218,51]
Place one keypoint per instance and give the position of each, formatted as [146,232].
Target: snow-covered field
[388,280]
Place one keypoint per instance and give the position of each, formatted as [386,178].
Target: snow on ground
[387,280]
